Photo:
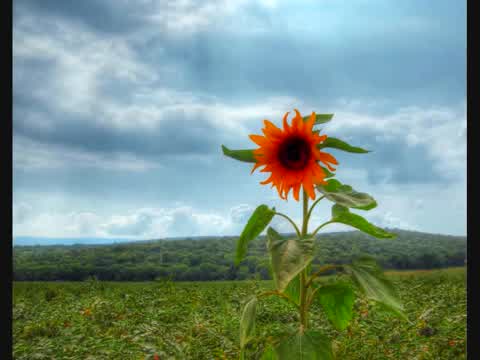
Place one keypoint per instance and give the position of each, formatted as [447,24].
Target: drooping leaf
[288,257]
[241,155]
[259,220]
[370,279]
[320,118]
[308,345]
[334,143]
[247,321]
[345,195]
[337,302]
[341,214]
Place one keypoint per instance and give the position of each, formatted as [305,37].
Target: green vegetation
[192,320]
[213,258]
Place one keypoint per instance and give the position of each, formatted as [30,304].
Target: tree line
[212,258]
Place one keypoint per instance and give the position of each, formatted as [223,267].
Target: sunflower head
[291,156]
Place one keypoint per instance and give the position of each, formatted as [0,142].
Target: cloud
[21,212]
[241,213]
[412,144]
[143,223]
[30,156]
[133,109]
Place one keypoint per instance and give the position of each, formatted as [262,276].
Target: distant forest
[212,258]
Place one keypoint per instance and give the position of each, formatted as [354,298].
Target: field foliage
[199,320]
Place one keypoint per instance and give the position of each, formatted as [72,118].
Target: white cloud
[184,17]
[143,223]
[81,61]
[440,130]
[241,213]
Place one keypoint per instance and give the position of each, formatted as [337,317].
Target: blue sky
[120,108]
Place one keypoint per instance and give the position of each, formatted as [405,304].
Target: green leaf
[247,321]
[288,256]
[344,195]
[308,345]
[334,143]
[259,220]
[320,118]
[337,302]
[269,354]
[341,214]
[327,172]
[370,279]
[293,287]
[241,155]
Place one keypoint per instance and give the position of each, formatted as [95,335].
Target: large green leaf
[288,256]
[370,279]
[269,354]
[308,345]
[241,155]
[259,220]
[341,214]
[344,195]
[293,288]
[247,321]
[337,302]
[320,118]
[331,142]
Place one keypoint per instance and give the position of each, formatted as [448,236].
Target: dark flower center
[294,153]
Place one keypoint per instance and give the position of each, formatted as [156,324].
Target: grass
[199,320]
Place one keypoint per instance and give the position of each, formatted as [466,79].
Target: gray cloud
[107,104]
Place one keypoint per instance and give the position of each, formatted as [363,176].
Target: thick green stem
[305,214]
[303,274]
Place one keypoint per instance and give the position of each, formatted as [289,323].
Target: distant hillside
[48,241]
[211,258]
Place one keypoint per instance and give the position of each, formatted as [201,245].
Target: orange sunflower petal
[297,121]
[296,191]
[259,139]
[286,127]
[310,122]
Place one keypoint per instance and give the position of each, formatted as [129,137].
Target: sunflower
[291,156]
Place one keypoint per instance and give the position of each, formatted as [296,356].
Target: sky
[120,109]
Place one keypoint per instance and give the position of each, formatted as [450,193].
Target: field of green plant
[200,320]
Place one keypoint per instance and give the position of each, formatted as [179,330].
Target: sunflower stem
[304,274]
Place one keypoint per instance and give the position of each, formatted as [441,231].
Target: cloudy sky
[120,108]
